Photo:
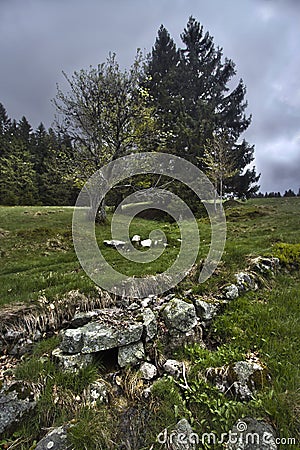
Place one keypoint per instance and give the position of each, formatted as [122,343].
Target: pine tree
[162,84]
[198,102]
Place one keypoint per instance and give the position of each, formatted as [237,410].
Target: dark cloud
[40,38]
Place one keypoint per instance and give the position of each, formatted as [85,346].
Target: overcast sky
[40,38]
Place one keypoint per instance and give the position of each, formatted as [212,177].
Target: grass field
[38,259]
[37,255]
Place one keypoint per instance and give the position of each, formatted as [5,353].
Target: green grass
[37,255]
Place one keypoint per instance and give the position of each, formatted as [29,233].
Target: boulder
[179,315]
[13,406]
[148,371]
[56,439]
[251,434]
[95,337]
[131,354]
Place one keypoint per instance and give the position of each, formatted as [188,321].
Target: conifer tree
[198,102]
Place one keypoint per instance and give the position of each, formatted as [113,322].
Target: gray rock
[82,318]
[244,370]
[252,434]
[181,438]
[204,310]
[150,324]
[245,281]
[22,347]
[231,292]
[149,371]
[12,409]
[131,354]
[115,243]
[146,243]
[136,238]
[133,306]
[72,363]
[95,337]
[240,380]
[56,439]
[12,335]
[173,367]
[179,315]
[147,300]
[265,265]
[72,340]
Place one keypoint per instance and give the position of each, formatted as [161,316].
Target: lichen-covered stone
[56,439]
[173,367]
[179,315]
[12,409]
[204,310]
[252,434]
[150,324]
[72,341]
[265,265]
[181,437]
[148,371]
[231,292]
[245,281]
[95,337]
[82,318]
[240,379]
[97,392]
[131,354]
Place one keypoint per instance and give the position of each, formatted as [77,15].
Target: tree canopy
[176,100]
[189,91]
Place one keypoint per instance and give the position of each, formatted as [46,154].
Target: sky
[41,38]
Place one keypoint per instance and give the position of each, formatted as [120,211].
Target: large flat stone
[95,337]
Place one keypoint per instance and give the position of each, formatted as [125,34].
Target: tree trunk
[221,194]
[97,213]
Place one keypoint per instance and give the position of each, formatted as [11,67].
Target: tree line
[174,100]
[287,193]
[34,164]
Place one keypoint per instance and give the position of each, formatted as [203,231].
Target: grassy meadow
[38,259]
